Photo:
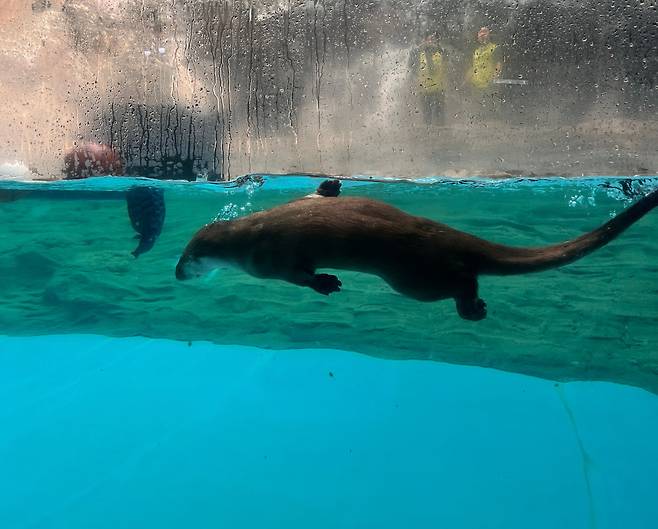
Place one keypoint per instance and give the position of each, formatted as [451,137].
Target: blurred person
[485,67]
[486,64]
[428,62]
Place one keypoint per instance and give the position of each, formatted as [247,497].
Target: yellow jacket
[485,66]
[431,73]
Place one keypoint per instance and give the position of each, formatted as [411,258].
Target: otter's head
[205,252]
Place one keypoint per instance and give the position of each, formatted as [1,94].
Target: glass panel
[188,88]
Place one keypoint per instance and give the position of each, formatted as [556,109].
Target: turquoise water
[135,433]
[132,400]
[68,268]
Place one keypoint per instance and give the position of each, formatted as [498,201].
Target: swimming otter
[146,204]
[146,209]
[417,257]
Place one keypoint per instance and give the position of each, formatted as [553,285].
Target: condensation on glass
[188,88]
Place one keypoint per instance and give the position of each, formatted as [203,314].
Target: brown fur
[419,258]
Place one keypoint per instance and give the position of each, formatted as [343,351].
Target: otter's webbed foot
[329,188]
[325,283]
[474,309]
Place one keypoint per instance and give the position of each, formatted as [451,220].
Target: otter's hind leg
[469,305]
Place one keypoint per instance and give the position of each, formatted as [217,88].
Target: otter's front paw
[326,284]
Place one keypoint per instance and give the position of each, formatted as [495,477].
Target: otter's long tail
[505,260]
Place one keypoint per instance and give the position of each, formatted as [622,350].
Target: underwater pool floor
[104,432]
